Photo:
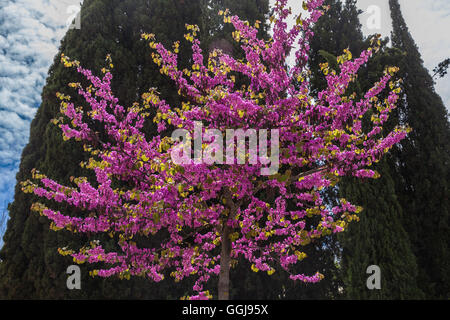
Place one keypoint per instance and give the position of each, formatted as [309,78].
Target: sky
[31,30]
[30,33]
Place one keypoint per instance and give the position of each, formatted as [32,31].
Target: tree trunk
[224,275]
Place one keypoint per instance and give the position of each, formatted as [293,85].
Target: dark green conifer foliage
[338,29]
[424,169]
[246,10]
[379,237]
[246,284]
[32,267]
[320,257]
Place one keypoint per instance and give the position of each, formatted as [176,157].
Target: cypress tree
[246,284]
[337,30]
[320,257]
[31,266]
[424,162]
[251,11]
[379,237]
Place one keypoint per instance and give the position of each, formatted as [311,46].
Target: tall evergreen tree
[337,30]
[424,165]
[31,266]
[256,10]
[246,284]
[379,237]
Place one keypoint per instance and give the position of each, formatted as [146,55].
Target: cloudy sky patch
[30,33]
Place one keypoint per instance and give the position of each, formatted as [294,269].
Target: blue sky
[30,32]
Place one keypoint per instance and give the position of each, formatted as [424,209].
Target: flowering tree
[211,212]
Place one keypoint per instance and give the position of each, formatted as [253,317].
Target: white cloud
[429,22]
[30,33]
